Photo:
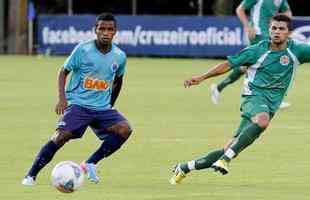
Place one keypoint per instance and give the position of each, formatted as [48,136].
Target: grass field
[171,124]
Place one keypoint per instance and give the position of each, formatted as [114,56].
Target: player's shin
[45,155]
[246,138]
[202,163]
[209,159]
[111,144]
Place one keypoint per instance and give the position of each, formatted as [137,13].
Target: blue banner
[301,32]
[147,35]
[180,36]
[58,34]
[185,36]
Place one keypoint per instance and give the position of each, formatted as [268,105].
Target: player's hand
[195,80]
[61,106]
[250,32]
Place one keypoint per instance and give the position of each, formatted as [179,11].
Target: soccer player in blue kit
[97,67]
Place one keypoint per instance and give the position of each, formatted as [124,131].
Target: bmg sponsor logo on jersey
[95,84]
[302,34]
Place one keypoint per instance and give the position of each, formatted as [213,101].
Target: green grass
[171,124]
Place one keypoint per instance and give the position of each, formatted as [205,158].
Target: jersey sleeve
[284,6]
[248,4]
[304,55]
[122,65]
[245,57]
[73,61]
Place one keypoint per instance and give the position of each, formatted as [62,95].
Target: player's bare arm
[240,11]
[62,101]
[116,88]
[214,71]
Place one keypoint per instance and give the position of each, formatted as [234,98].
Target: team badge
[277,2]
[61,123]
[114,67]
[284,60]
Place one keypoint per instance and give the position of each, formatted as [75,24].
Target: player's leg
[46,154]
[182,169]
[72,125]
[115,138]
[258,111]
[216,89]
[114,129]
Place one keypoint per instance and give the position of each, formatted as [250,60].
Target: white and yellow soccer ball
[67,176]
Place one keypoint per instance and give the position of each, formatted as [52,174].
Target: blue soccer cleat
[90,170]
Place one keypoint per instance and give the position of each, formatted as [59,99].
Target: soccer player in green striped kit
[254,16]
[271,66]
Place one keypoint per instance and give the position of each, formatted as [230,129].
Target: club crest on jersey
[114,67]
[284,60]
[61,123]
[277,2]
[95,84]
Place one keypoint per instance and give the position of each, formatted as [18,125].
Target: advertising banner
[301,32]
[182,36]
[147,35]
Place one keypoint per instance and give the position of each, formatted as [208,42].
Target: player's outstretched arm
[62,101]
[214,71]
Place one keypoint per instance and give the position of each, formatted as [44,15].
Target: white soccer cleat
[28,181]
[215,94]
[284,105]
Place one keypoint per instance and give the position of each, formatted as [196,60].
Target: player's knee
[263,121]
[61,137]
[124,129]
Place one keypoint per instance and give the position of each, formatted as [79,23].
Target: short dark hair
[283,18]
[106,17]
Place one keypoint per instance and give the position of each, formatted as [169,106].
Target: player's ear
[289,33]
[94,29]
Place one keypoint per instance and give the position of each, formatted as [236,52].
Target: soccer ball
[67,176]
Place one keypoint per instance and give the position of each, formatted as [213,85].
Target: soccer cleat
[90,170]
[178,175]
[220,165]
[284,105]
[215,94]
[28,181]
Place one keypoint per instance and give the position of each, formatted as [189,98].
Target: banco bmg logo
[302,34]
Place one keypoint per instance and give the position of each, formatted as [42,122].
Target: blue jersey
[92,75]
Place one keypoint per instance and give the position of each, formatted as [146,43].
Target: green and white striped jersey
[270,73]
[261,11]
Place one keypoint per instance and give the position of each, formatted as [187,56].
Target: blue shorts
[76,119]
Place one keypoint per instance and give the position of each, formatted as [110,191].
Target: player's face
[105,31]
[279,32]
